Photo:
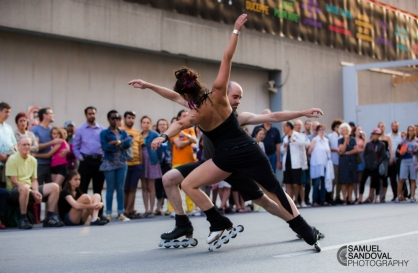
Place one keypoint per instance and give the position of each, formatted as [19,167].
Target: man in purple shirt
[87,149]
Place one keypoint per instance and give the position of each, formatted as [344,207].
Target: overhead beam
[390,64]
[398,80]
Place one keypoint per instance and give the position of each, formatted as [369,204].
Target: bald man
[22,182]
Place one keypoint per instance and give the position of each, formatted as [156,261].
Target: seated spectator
[4,196]
[374,154]
[21,173]
[75,207]
[58,163]
[22,124]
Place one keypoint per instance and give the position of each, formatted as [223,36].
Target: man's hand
[37,196]
[56,141]
[313,113]
[3,157]
[113,142]
[64,153]
[279,165]
[139,84]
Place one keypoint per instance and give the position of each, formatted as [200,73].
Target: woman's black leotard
[236,152]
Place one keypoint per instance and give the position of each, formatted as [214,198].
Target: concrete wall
[70,74]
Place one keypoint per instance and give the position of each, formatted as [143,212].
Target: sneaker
[304,205]
[98,222]
[297,204]
[109,218]
[397,200]
[150,215]
[123,218]
[194,213]
[412,200]
[104,218]
[308,203]
[172,214]
[228,210]
[24,224]
[52,222]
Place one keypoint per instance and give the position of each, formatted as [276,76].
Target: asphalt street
[266,245]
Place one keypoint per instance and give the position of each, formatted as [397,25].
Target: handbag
[129,154]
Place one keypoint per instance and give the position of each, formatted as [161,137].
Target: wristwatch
[164,136]
[237,32]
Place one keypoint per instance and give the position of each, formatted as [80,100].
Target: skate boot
[183,227]
[320,235]
[215,240]
[317,246]
[218,225]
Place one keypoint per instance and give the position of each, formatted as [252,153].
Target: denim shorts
[67,221]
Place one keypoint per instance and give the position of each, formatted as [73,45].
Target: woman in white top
[320,152]
[22,125]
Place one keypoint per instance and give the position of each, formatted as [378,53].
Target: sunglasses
[115,118]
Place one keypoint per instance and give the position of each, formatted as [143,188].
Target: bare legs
[148,194]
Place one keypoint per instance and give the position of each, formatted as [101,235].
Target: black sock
[23,216]
[301,227]
[212,213]
[50,214]
[182,220]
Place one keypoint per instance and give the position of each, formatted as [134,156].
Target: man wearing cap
[374,154]
[69,126]
[134,166]
[88,150]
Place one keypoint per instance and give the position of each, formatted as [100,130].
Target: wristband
[237,32]
[164,136]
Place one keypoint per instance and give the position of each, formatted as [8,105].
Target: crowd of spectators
[40,162]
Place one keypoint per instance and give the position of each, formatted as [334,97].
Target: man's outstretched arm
[247,118]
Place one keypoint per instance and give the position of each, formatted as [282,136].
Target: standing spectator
[134,166]
[292,159]
[271,143]
[22,123]
[393,172]
[114,143]
[308,127]
[389,150]
[32,123]
[352,125]
[58,164]
[183,154]
[305,186]
[361,143]
[22,183]
[347,167]
[320,154]
[409,165]
[374,154]
[403,135]
[72,161]
[87,149]
[7,139]
[260,134]
[151,167]
[335,156]
[43,133]
[165,164]
[69,127]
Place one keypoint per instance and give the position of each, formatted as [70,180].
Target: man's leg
[98,181]
[171,181]
[273,162]
[50,195]
[85,175]
[24,192]
[21,195]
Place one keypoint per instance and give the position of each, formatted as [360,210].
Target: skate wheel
[165,242]
[241,228]
[176,246]
[184,245]
[195,243]
[218,247]
[225,242]
[233,236]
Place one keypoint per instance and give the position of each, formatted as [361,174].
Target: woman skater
[235,150]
